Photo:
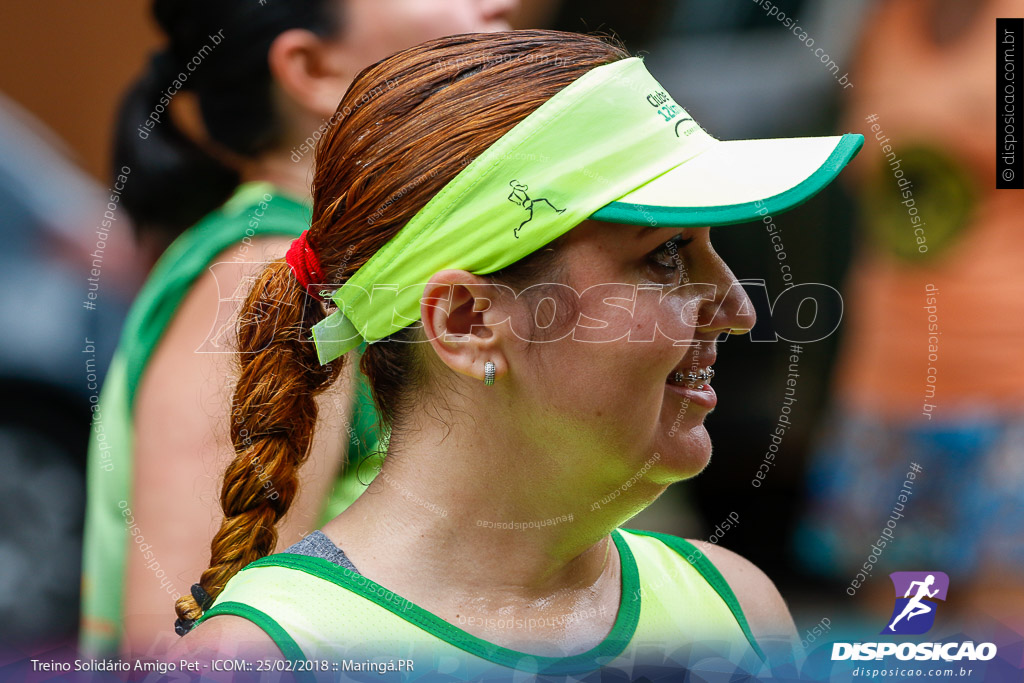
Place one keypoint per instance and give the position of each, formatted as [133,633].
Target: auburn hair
[406,126]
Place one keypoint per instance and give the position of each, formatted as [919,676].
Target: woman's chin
[685,451]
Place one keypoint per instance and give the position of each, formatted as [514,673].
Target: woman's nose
[731,309]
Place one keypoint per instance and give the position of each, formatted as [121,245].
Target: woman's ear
[312,71]
[461,320]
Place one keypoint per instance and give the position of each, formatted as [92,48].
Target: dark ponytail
[173,181]
[217,49]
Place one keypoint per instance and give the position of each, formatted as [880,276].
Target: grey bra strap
[317,544]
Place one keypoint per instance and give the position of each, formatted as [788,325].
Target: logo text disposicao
[949,652]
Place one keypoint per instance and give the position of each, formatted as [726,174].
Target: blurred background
[737,68]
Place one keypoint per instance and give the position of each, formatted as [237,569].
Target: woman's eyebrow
[647,230]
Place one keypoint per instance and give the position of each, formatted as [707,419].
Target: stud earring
[488,373]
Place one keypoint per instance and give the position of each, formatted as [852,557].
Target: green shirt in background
[109,528]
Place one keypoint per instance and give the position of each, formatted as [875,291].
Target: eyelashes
[666,256]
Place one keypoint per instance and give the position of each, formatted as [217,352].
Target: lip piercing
[691,377]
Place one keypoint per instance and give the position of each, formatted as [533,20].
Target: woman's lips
[691,379]
[699,393]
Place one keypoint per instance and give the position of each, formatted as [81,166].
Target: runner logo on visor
[520,197]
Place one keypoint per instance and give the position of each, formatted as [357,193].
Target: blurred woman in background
[229,187]
[931,370]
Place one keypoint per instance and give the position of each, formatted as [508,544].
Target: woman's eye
[667,256]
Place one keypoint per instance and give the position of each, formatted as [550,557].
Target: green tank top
[324,618]
[108,530]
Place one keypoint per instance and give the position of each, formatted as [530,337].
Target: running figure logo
[915,614]
[519,196]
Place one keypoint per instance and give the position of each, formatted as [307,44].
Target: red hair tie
[304,265]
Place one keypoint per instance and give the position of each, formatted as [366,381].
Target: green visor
[612,146]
